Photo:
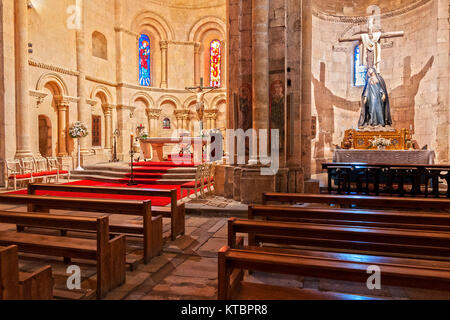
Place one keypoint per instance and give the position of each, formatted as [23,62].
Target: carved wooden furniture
[361,139]
[377,179]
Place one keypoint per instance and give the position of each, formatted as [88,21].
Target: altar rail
[398,179]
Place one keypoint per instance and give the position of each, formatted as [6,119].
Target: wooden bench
[364,201]
[109,254]
[385,241]
[16,285]
[176,212]
[361,217]
[151,227]
[394,272]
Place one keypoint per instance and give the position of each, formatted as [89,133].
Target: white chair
[43,171]
[61,170]
[15,171]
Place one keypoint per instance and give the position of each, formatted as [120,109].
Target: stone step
[103,178]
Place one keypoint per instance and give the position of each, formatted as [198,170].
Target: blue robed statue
[375,109]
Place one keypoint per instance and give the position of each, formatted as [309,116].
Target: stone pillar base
[219,181]
[67,161]
[312,186]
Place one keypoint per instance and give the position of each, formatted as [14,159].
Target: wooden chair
[43,171]
[62,170]
[176,212]
[150,228]
[109,254]
[198,184]
[15,172]
[16,285]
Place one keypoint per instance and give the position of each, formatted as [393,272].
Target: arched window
[166,123]
[99,45]
[359,69]
[144,60]
[216,61]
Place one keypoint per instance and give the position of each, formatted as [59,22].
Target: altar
[152,148]
[392,157]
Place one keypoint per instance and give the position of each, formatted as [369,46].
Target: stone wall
[410,65]
[111,83]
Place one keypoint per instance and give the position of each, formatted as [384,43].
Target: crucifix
[200,92]
[371,44]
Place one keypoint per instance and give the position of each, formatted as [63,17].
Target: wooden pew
[16,285]
[109,254]
[385,241]
[176,212]
[364,201]
[360,217]
[151,228]
[395,272]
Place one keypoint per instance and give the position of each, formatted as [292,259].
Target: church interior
[224,150]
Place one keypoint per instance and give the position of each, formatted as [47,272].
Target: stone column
[182,116]
[83,110]
[306,87]
[211,116]
[23,138]
[197,47]
[163,45]
[124,120]
[107,111]
[153,116]
[260,70]
[62,105]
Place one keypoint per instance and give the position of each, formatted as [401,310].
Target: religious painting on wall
[144,60]
[245,107]
[277,109]
[216,60]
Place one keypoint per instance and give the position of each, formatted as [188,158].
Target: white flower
[78,130]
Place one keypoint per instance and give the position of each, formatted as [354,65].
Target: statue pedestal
[360,139]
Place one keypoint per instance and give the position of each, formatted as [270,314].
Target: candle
[131,140]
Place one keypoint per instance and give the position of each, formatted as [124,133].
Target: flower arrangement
[380,142]
[142,134]
[78,130]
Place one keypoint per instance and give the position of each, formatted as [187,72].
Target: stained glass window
[166,123]
[144,60]
[216,60]
[359,69]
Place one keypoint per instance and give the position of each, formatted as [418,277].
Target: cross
[371,42]
[200,92]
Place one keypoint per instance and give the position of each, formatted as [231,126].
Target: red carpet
[156,201]
[163,164]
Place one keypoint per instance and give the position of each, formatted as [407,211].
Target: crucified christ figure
[200,92]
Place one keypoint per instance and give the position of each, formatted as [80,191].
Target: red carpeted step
[144,175]
[163,164]
[156,201]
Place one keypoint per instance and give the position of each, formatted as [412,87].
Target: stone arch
[148,18]
[55,81]
[102,92]
[99,45]
[170,98]
[145,97]
[206,24]
[190,100]
[217,100]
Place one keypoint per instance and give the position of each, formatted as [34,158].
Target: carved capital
[39,95]
[211,114]
[163,45]
[197,47]
[107,108]
[181,114]
[154,113]
[62,102]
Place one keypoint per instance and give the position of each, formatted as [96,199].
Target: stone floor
[187,269]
